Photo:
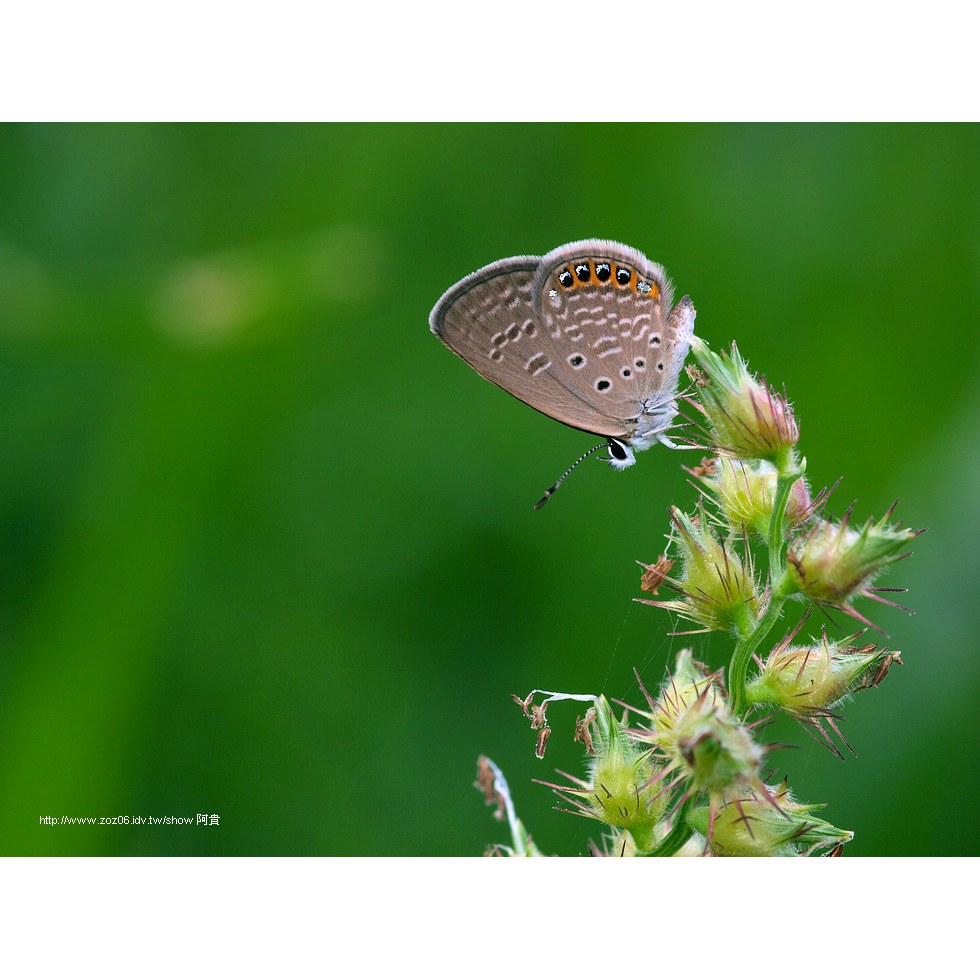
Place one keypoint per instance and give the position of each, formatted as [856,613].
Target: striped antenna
[550,491]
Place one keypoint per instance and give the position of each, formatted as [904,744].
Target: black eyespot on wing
[603,384]
[582,271]
[565,277]
[623,275]
[603,270]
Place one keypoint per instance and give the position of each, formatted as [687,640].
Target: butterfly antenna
[548,493]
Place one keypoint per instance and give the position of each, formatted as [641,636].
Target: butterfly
[586,334]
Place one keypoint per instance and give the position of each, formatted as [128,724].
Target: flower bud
[687,685]
[752,826]
[690,723]
[717,588]
[746,418]
[623,789]
[745,491]
[834,563]
[803,679]
[808,682]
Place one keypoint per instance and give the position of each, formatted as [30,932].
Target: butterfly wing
[489,320]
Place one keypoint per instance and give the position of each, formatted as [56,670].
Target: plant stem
[776,538]
[750,639]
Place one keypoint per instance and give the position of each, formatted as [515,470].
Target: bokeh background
[268,548]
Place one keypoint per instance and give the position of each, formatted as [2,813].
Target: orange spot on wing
[594,281]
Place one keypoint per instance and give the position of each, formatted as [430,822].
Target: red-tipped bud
[745,490]
[802,679]
[746,419]
[834,563]
[810,681]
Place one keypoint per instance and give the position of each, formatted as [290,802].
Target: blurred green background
[268,547]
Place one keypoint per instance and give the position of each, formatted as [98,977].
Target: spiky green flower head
[717,587]
[810,681]
[746,419]
[623,789]
[745,491]
[834,563]
[818,676]
[690,723]
[766,824]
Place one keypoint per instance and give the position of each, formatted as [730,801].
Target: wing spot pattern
[607,345]
[535,365]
